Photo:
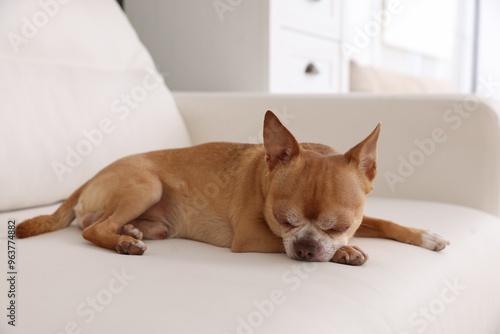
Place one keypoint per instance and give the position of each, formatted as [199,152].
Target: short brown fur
[305,200]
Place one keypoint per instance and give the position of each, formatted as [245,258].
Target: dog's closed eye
[337,229]
[287,220]
[335,226]
[286,224]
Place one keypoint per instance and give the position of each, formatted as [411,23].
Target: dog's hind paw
[131,246]
[433,241]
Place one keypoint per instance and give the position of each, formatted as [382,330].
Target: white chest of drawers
[305,46]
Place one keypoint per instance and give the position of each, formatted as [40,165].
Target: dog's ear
[279,143]
[364,155]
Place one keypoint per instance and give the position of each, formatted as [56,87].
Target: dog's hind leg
[134,199]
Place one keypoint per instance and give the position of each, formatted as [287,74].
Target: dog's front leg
[255,236]
[379,228]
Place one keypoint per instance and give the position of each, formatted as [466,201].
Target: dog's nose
[305,250]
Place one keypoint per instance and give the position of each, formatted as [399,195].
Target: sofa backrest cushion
[78,90]
[368,79]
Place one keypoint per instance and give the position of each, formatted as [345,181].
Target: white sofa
[82,91]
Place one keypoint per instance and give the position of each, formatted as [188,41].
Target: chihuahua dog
[305,200]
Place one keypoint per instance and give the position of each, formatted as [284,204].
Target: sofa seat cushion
[182,286]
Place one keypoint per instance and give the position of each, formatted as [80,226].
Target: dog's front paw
[351,255]
[128,245]
[433,241]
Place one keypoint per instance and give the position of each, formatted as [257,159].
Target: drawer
[304,64]
[321,17]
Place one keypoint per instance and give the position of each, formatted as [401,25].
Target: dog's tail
[61,218]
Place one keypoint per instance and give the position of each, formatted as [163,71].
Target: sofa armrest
[442,148]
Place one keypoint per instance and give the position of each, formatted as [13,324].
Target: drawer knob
[311,69]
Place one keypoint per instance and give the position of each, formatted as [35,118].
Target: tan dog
[306,200]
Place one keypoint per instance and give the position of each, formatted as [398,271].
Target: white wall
[174,33]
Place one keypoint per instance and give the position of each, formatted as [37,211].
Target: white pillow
[78,90]
[369,79]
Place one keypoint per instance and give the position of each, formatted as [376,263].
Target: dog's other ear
[279,143]
[364,155]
